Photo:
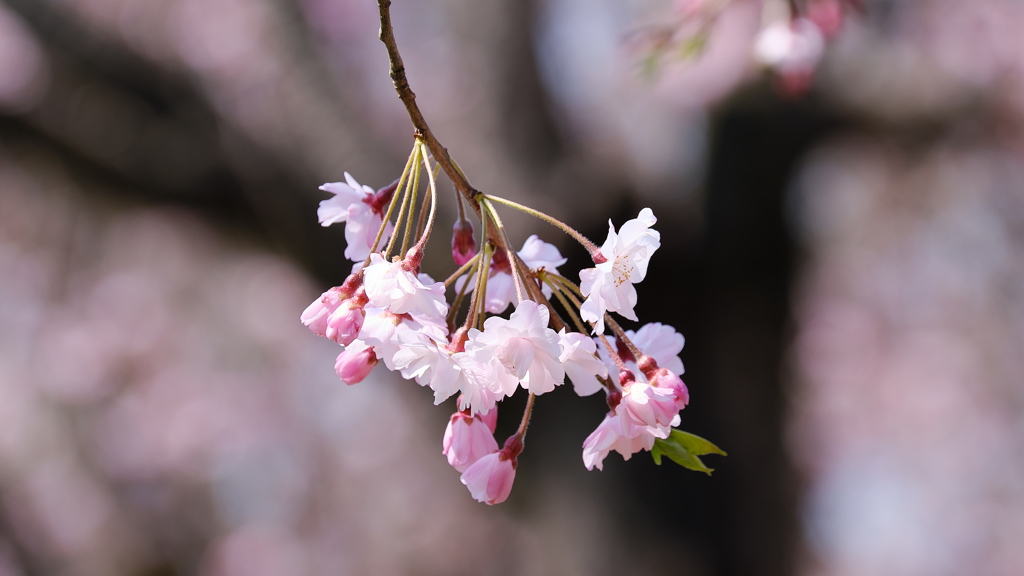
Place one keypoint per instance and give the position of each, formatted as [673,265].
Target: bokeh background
[844,262]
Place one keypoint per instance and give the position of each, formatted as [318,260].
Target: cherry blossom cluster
[454,337]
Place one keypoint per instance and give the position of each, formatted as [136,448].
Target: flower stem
[391,205]
[621,335]
[587,244]
[517,273]
[433,195]
[472,262]
[527,413]
[557,289]
[410,190]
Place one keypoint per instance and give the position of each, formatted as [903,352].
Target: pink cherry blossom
[646,405]
[619,434]
[667,379]
[353,204]
[355,363]
[581,363]
[316,315]
[382,329]
[659,341]
[467,439]
[490,478]
[391,285]
[480,375]
[609,285]
[525,346]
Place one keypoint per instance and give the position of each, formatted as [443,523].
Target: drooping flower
[581,364]
[361,208]
[619,434]
[467,439]
[609,285]
[383,329]
[646,405]
[393,285]
[525,346]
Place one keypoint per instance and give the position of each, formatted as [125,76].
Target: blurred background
[841,249]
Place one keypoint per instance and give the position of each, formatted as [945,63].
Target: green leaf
[684,448]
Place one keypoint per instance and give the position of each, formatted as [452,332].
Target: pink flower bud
[467,439]
[354,363]
[379,201]
[667,379]
[463,242]
[490,478]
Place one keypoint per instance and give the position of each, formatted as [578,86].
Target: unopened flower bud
[467,439]
[626,377]
[463,242]
[355,363]
[647,365]
[380,200]
[512,449]
[490,478]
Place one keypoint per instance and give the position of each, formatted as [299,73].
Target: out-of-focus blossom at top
[792,49]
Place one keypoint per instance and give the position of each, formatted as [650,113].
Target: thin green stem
[556,289]
[472,267]
[409,183]
[391,205]
[462,270]
[478,301]
[517,274]
[433,196]
[583,240]
[566,283]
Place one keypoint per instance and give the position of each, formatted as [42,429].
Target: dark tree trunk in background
[743,313]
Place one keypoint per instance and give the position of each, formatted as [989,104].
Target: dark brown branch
[408,98]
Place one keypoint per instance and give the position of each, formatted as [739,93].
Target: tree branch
[408,98]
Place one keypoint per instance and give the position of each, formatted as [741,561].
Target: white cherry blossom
[390,285]
[525,346]
[609,285]
[351,204]
[581,364]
